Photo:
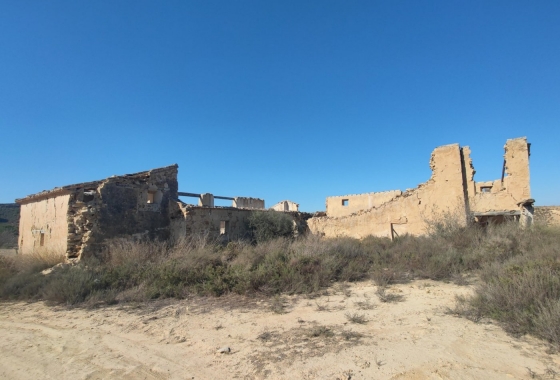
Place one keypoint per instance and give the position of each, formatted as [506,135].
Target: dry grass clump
[388,297]
[356,318]
[364,305]
[320,331]
[278,305]
[21,276]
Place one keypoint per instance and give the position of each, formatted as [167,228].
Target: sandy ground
[279,338]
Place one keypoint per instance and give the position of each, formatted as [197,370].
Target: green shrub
[268,225]
[520,283]
[519,269]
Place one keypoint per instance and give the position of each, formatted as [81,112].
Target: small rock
[224,350]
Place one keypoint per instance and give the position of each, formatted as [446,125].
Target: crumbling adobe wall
[501,195]
[547,215]
[43,226]
[410,211]
[344,205]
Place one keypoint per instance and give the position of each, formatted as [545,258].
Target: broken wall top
[68,189]
[445,164]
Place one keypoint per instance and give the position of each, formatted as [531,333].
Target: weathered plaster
[44,220]
[344,205]
[406,212]
[502,195]
[450,191]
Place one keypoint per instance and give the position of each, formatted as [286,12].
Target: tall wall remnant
[451,190]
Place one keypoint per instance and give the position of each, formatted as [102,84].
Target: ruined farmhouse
[451,192]
[79,219]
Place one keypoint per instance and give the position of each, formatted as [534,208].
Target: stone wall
[222,223]
[501,194]
[226,223]
[285,206]
[248,203]
[78,219]
[344,205]
[409,211]
[135,205]
[547,215]
[450,192]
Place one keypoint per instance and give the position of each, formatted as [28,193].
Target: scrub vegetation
[517,271]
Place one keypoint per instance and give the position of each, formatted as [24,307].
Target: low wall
[548,215]
[344,205]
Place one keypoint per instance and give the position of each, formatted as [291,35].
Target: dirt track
[311,339]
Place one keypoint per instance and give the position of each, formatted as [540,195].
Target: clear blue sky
[279,100]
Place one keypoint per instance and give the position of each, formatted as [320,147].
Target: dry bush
[320,331]
[356,318]
[37,261]
[21,277]
[351,335]
[365,305]
[388,297]
[278,305]
[520,282]
[269,225]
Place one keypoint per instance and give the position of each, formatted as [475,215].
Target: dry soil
[290,337]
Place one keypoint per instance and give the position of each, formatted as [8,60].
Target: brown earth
[273,338]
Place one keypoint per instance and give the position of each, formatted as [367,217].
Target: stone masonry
[77,219]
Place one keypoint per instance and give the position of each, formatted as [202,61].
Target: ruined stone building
[285,206]
[451,190]
[76,219]
[205,218]
[79,219]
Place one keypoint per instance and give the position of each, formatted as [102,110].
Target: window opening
[151,196]
[42,239]
[224,226]
[486,189]
[88,196]
[345,202]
